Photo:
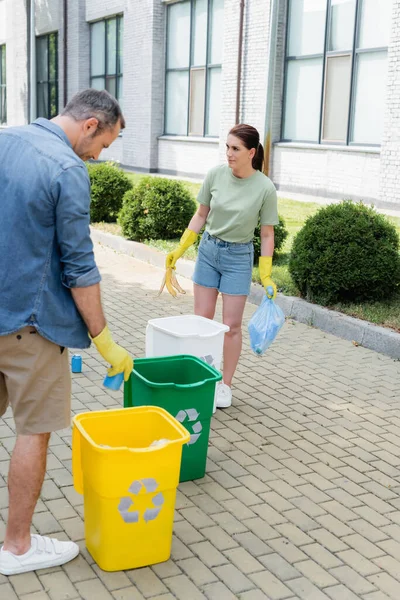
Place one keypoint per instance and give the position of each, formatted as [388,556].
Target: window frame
[192,66]
[354,52]
[49,82]
[118,73]
[3,84]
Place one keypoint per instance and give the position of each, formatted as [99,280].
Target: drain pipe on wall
[239,63]
[65,51]
[32,60]
[273,34]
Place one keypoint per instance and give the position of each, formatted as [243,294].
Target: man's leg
[25,480]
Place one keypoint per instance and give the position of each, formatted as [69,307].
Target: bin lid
[188,326]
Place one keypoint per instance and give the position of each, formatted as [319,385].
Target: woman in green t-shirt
[231,200]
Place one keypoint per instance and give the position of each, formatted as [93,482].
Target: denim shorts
[225,266]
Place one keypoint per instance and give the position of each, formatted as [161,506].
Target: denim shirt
[45,245]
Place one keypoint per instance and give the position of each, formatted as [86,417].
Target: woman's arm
[200,217]
[267,240]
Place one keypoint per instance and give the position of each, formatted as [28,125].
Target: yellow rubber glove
[119,359]
[188,239]
[265,266]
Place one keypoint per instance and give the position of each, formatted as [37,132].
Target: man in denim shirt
[49,299]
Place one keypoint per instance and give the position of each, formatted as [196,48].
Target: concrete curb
[368,335]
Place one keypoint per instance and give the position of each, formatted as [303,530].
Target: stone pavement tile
[166,569]
[261,529]
[301,520]
[294,534]
[207,504]
[276,501]
[253,595]
[306,590]
[59,587]
[229,523]
[280,567]
[7,592]
[93,589]
[233,578]
[187,533]
[327,539]
[179,550]
[197,571]
[218,537]
[359,563]
[147,582]
[196,517]
[363,546]
[308,507]
[352,580]
[333,525]
[79,570]
[389,564]
[339,511]
[60,508]
[252,544]
[376,596]
[132,593]
[113,580]
[243,560]
[208,554]
[322,556]
[344,498]
[25,583]
[373,534]
[238,509]
[183,589]
[286,549]
[386,584]
[269,584]
[35,596]
[340,592]
[218,591]
[316,574]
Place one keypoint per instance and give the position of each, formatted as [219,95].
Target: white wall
[186,156]
[327,171]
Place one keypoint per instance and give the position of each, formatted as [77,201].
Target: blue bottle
[113,383]
[76,363]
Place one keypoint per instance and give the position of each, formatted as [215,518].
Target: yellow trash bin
[128,482]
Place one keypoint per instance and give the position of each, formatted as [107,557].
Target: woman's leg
[205,301]
[232,315]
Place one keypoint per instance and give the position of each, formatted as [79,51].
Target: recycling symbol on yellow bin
[127,503]
[192,415]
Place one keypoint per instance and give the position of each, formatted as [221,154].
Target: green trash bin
[184,386]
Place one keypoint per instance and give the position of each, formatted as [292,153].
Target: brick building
[331,67]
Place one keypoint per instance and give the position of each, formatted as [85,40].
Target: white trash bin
[186,334]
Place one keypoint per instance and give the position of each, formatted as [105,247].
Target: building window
[3,86]
[106,42]
[193,74]
[335,71]
[47,75]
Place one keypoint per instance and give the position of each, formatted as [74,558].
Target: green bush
[108,186]
[156,208]
[280,234]
[346,252]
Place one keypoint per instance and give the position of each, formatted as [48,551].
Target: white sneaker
[224,396]
[44,553]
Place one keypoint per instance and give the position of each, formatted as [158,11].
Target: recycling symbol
[209,359]
[127,504]
[192,415]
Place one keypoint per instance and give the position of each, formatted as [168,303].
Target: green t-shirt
[235,204]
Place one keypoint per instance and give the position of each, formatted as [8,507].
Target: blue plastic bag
[264,325]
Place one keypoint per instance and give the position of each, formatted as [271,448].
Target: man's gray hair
[98,104]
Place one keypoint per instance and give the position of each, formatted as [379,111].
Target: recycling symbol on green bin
[196,427]
[126,505]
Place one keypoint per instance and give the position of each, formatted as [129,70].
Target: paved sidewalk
[301,498]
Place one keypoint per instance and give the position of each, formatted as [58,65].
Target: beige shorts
[35,381]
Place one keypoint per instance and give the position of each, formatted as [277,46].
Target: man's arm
[88,302]
[71,191]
